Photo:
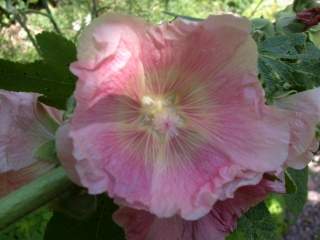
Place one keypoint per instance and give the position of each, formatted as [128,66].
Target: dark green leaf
[291,186]
[256,224]
[50,77]
[99,226]
[55,85]
[56,49]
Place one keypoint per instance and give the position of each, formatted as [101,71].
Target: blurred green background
[71,16]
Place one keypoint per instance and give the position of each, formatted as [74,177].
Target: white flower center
[160,116]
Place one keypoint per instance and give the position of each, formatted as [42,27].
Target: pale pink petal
[24,127]
[21,130]
[108,59]
[141,225]
[64,151]
[304,116]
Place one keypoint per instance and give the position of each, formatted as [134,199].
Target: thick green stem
[32,196]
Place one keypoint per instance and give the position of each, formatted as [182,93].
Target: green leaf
[50,77]
[314,35]
[256,224]
[56,49]
[99,226]
[261,28]
[287,23]
[299,5]
[288,63]
[291,186]
[40,77]
[295,201]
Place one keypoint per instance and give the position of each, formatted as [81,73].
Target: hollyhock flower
[171,118]
[216,225]
[304,109]
[24,126]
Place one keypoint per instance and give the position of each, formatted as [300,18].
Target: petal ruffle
[141,225]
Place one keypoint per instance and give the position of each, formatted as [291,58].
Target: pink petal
[127,173]
[64,151]
[141,225]
[22,130]
[304,113]
[24,126]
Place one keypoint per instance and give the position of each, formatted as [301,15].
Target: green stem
[256,8]
[19,19]
[94,10]
[32,196]
[50,16]
[29,11]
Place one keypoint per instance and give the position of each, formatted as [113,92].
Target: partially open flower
[216,225]
[24,126]
[171,118]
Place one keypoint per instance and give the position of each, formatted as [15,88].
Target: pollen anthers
[160,116]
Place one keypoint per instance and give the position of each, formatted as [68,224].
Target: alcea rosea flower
[24,126]
[171,118]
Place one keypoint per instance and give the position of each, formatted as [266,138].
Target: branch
[50,16]
[94,11]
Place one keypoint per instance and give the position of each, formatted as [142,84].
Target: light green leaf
[47,152]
